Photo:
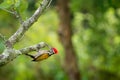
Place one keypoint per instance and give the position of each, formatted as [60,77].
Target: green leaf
[6,4]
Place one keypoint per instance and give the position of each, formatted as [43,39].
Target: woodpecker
[43,54]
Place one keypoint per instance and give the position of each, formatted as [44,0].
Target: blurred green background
[96,40]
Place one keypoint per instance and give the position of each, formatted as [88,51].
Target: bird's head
[54,50]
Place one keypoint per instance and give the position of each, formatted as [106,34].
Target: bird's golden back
[41,57]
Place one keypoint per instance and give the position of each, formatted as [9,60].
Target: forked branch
[10,53]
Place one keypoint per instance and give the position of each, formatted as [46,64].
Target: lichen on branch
[10,53]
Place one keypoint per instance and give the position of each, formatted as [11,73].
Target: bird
[43,54]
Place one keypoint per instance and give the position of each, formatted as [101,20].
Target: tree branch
[9,53]
[26,24]
[33,48]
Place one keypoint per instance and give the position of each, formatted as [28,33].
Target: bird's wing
[40,53]
[41,57]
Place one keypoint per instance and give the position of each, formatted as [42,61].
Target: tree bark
[65,34]
[10,53]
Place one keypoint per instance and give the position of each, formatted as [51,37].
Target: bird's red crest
[55,50]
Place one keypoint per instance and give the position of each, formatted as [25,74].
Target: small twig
[7,10]
[33,48]
[14,12]
[49,4]
[18,16]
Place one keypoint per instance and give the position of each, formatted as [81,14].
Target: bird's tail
[30,55]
